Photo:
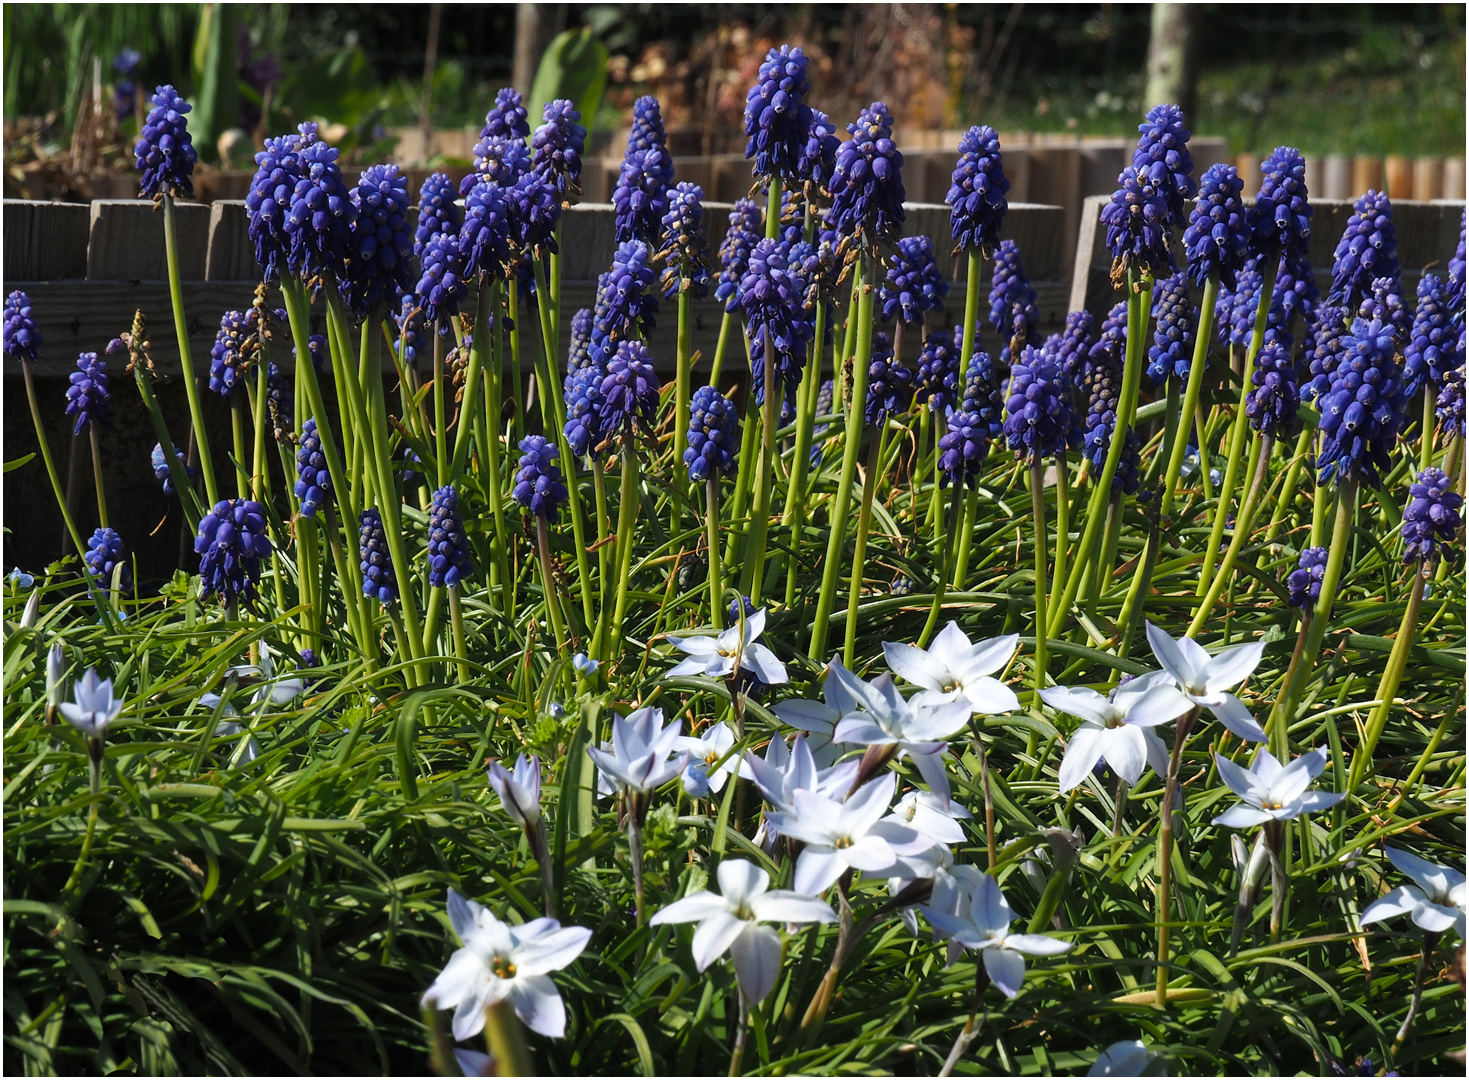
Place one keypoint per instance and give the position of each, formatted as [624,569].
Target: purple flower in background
[937,381]
[640,199]
[1038,406]
[159,462]
[484,238]
[629,391]
[125,92]
[87,398]
[914,284]
[1216,240]
[889,383]
[557,147]
[448,546]
[538,485]
[685,247]
[1432,347]
[1274,399]
[320,220]
[1450,404]
[437,211]
[272,191]
[1174,316]
[1304,582]
[867,182]
[379,582]
[235,348]
[507,118]
[1104,387]
[441,285]
[713,435]
[746,227]
[105,554]
[1162,158]
[230,545]
[21,338]
[1280,220]
[313,482]
[380,248]
[1071,345]
[1013,312]
[818,157]
[1368,249]
[1455,287]
[973,425]
[977,191]
[1431,516]
[164,151]
[777,118]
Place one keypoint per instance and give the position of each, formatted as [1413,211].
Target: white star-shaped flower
[94,706]
[919,729]
[953,667]
[731,923]
[704,750]
[1436,901]
[819,719]
[734,649]
[1205,680]
[986,928]
[637,758]
[839,836]
[498,961]
[1117,729]
[1274,792]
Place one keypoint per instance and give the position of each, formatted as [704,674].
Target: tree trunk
[1173,70]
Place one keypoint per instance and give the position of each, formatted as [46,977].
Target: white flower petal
[714,936]
[1242,816]
[1037,944]
[1006,970]
[551,951]
[1228,669]
[1080,701]
[1399,901]
[538,1004]
[1125,750]
[756,954]
[783,905]
[817,869]
[740,881]
[695,907]
[916,665]
[1081,757]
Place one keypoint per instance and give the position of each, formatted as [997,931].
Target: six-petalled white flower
[733,650]
[94,706]
[704,751]
[921,730]
[637,759]
[519,790]
[497,962]
[840,836]
[954,668]
[818,719]
[1274,792]
[1205,680]
[1116,729]
[731,923]
[986,928]
[1436,901]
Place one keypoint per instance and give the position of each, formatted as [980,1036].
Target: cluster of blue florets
[1038,408]
[1324,348]
[1070,346]
[640,199]
[313,482]
[272,191]
[777,118]
[1215,241]
[230,545]
[319,223]
[745,230]
[557,147]
[1138,224]
[629,391]
[1304,582]
[818,156]
[1274,398]
[1449,408]
[88,398]
[438,212]
[1104,387]
[159,461]
[1280,220]
[235,347]
[1013,311]
[1433,344]
[1162,157]
[164,152]
[1383,301]
[1431,516]
[441,282]
[973,425]
[484,238]
[21,338]
[538,485]
[1362,411]
[977,191]
[772,295]
[937,381]
[448,546]
[914,284]
[104,555]
[867,181]
[379,582]
[1368,250]
[1171,354]
[685,246]
[889,383]
[713,435]
[380,247]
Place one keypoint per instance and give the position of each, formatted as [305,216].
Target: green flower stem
[456,620]
[1285,706]
[97,475]
[1240,429]
[718,368]
[506,1041]
[683,388]
[1288,491]
[1260,470]
[971,311]
[955,501]
[742,1025]
[548,588]
[1038,509]
[627,517]
[806,398]
[474,374]
[843,359]
[517,420]
[599,488]
[186,358]
[349,575]
[965,540]
[1392,676]
[1172,408]
[1425,433]
[188,497]
[441,422]
[237,426]
[1136,597]
[842,508]
[260,406]
[307,578]
[1139,305]
[1164,900]
[492,480]
[772,208]
[716,564]
[859,556]
[1063,513]
[71,527]
[1101,574]
[1429,941]
[1320,507]
[1191,392]
[760,525]
[749,467]
[84,857]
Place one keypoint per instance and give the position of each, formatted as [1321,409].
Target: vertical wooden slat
[126,241]
[231,256]
[1399,175]
[1338,178]
[1453,178]
[1427,178]
[45,241]
[1366,173]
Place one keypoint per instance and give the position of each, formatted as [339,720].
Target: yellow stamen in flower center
[711,757]
[1272,806]
[842,842]
[502,968]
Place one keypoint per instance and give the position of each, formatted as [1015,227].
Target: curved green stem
[627,516]
[716,564]
[1261,453]
[859,556]
[1191,393]
[76,537]
[1038,509]
[1392,676]
[186,357]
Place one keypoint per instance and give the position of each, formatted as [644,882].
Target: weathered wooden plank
[45,241]
[126,241]
[231,256]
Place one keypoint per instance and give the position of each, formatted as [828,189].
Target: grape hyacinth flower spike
[1280,221]
[104,556]
[745,231]
[1304,582]
[164,152]
[1138,227]
[1171,354]
[914,284]
[1162,158]
[379,582]
[1013,311]
[313,482]
[380,247]
[777,118]
[685,248]
[159,463]
[867,183]
[1215,243]
[448,546]
[977,192]
[438,212]
[557,147]
[539,489]
[88,397]
[497,962]
[272,190]
[1367,250]
[230,545]
[1431,517]
[321,217]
